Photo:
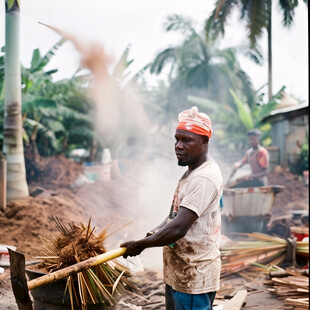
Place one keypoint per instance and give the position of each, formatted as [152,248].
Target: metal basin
[252,201]
[248,209]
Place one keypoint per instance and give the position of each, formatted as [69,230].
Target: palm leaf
[204,103]
[257,14]
[179,23]
[168,55]
[39,64]
[243,111]
[38,103]
[215,23]
[122,64]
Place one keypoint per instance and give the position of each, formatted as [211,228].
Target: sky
[139,23]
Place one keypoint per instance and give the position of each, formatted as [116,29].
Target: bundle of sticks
[102,284]
[292,286]
[258,253]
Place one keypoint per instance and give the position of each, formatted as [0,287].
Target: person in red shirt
[258,159]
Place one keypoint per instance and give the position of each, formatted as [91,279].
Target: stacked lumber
[292,286]
[258,253]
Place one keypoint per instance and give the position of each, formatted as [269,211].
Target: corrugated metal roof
[285,110]
[289,109]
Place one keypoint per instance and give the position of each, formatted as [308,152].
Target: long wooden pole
[86,264]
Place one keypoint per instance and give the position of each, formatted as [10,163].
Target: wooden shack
[289,124]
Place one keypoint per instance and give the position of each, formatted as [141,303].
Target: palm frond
[287,8]
[168,55]
[243,111]
[181,24]
[257,14]
[37,63]
[216,22]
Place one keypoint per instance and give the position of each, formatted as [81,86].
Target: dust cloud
[123,126]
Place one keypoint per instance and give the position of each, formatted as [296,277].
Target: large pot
[51,296]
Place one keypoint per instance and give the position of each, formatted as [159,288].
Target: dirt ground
[115,202]
[153,290]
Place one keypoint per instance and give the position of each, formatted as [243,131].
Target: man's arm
[237,165]
[155,229]
[263,162]
[168,234]
[262,173]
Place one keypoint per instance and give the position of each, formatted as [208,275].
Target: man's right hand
[133,248]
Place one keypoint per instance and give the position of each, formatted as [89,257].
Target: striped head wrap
[194,121]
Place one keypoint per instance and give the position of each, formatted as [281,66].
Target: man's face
[253,141]
[189,147]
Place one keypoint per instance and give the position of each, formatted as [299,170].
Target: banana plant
[51,109]
[232,123]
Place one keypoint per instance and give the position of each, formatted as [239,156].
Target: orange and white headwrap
[194,121]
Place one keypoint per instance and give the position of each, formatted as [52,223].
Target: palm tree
[197,67]
[13,129]
[258,16]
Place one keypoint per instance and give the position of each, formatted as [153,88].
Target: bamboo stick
[287,272]
[86,264]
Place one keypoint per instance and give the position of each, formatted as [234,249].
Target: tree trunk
[33,138]
[12,136]
[64,145]
[93,151]
[269,32]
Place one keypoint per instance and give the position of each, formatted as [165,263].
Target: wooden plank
[18,280]
[236,302]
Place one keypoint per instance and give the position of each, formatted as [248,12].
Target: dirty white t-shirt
[192,265]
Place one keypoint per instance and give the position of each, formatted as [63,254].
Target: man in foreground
[258,159]
[190,235]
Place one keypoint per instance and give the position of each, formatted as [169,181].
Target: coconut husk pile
[292,286]
[53,172]
[103,284]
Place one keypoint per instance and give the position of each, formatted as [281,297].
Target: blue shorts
[182,301]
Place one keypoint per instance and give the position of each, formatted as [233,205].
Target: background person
[258,159]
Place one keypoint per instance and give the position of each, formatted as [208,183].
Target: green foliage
[58,116]
[302,163]
[232,122]
[11,3]
[255,13]
[53,112]
[303,155]
[244,111]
